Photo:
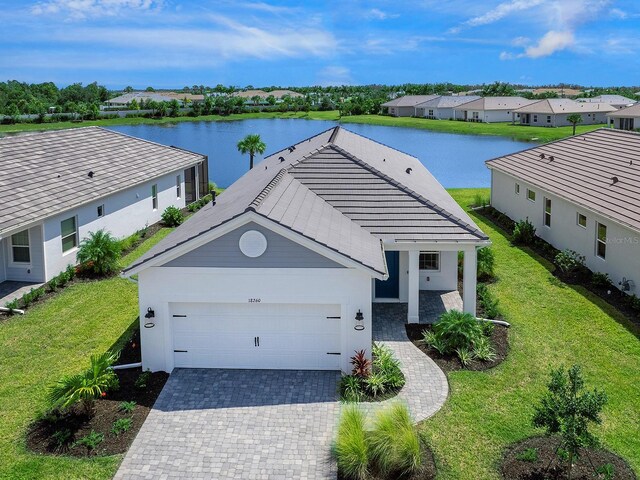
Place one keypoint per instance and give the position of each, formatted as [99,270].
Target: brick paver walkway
[426,387]
[237,424]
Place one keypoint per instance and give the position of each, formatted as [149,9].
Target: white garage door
[256,335]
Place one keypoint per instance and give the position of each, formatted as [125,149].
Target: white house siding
[402,111]
[161,286]
[125,213]
[560,119]
[623,246]
[32,272]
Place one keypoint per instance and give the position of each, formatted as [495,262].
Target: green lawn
[517,132]
[552,324]
[50,340]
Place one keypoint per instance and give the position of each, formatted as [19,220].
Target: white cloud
[617,13]
[377,14]
[334,75]
[502,10]
[81,9]
[550,43]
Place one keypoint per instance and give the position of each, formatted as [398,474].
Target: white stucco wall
[125,213]
[21,272]
[560,119]
[623,245]
[160,286]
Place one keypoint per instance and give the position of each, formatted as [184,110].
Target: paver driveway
[238,424]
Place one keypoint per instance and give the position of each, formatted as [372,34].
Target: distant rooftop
[408,100]
[447,101]
[564,105]
[495,103]
[610,99]
[632,111]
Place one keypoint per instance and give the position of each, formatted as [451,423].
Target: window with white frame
[178,187]
[20,247]
[581,220]
[535,118]
[601,240]
[531,195]
[429,261]
[517,189]
[548,118]
[100,210]
[431,113]
[547,212]
[69,234]
[154,196]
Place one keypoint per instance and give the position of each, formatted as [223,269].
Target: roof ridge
[412,193]
[264,193]
[305,140]
[374,141]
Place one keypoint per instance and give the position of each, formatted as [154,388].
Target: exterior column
[469,280]
[414,287]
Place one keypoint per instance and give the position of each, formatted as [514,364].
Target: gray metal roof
[495,103]
[342,190]
[43,174]
[408,100]
[582,171]
[628,112]
[447,101]
[565,105]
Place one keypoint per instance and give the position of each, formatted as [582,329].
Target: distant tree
[271,100]
[174,108]
[567,410]
[498,89]
[133,105]
[251,144]
[574,119]
[128,89]
[150,89]
[256,99]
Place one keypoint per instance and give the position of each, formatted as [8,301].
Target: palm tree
[251,144]
[574,119]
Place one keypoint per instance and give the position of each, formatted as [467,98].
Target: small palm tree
[86,387]
[251,144]
[100,251]
[574,119]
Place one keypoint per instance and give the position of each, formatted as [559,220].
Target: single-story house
[250,95]
[617,101]
[441,108]
[405,106]
[57,186]
[281,271]
[581,193]
[490,109]
[554,112]
[125,99]
[626,118]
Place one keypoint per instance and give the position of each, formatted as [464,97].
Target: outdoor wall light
[359,321]
[149,315]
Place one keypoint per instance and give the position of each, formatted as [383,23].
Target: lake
[455,160]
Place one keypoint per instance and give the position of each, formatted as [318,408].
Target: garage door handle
[180,351]
[333,353]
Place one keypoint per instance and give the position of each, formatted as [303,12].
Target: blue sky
[172,43]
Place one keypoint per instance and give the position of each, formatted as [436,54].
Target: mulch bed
[40,434]
[427,471]
[449,363]
[612,295]
[549,467]
[130,352]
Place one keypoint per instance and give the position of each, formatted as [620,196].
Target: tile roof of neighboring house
[342,190]
[408,100]
[610,99]
[264,94]
[447,101]
[568,92]
[564,105]
[632,111]
[128,97]
[583,170]
[495,103]
[43,174]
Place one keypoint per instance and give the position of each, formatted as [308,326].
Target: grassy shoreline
[515,132]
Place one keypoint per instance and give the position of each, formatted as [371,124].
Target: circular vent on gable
[252,243]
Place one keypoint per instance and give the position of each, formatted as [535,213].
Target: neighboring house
[617,101]
[561,91]
[441,107]
[581,193]
[490,109]
[281,271]
[405,106]
[626,118]
[250,95]
[57,186]
[554,112]
[124,100]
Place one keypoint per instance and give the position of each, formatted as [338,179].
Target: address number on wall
[255,300]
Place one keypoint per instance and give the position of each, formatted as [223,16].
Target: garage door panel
[290,336]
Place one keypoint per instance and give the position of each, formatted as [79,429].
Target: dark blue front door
[390,288]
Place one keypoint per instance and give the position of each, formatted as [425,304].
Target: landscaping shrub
[457,330]
[465,355]
[488,302]
[351,388]
[100,252]
[70,272]
[483,350]
[394,442]
[143,379]
[634,302]
[387,365]
[53,284]
[486,263]
[351,449]
[129,242]
[172,216]
[375,384]
[121,425]
[480,200]
[127,407]
[567,410]
[372,378]
[86,387]
[91,441]
[524,233]
[61,438]
[601,280]
[361,365]
[528,455]
[12,305]
[569,261]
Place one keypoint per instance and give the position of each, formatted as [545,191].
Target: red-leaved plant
[361,365]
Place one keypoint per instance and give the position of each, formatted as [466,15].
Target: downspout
[497,322]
